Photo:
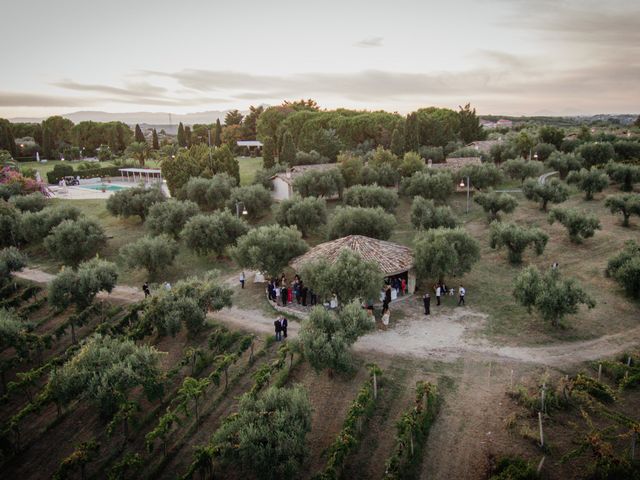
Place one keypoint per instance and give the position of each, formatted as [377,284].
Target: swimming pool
[100,186]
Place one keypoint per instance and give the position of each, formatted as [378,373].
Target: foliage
[34,227]
[33,202]
[565,162]
[213,233]
[579,225]
[513,468]
[553,191]
[170,217]
[370,222]
[626,204]
[589,181]
[84,453]
[351,166]
[9,224]
[552,296]
[437,186]
[72,241]
[625,268]
[263,176]
[371,196]
[138,150]
[410,164]
[482,176]
[287,150]
[624,174]
[319,183]
[495,202]
[543,151]
[551,135]
[521,169]
[516,239]
[307,214]
[151,252]
[385,175]
[425,215]
[311,158]
[268,153]
[597,153]
[443,251]
[254,198]
[11,260]
[209,193]
[134,201]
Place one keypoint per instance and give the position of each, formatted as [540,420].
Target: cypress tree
[139,136]
[411,137]
[288,151]
[187,135]
[7,142]
[397,139]
[217,134]
[182,139]
[268,153]
[155,143]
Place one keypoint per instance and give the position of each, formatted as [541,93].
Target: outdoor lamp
[462,183]
[244,211]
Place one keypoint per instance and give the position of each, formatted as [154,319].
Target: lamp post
[535,156]
[244,209]
[468,189]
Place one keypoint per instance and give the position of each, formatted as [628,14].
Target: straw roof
[391,258]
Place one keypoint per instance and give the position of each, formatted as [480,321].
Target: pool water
[99,186]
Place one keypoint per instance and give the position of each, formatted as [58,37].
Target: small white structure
[145,175]
[283,182]
[254,147]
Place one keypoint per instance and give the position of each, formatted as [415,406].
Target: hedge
[55,177]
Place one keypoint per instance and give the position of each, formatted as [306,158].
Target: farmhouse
[393,260]
[283,182]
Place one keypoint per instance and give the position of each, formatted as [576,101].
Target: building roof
[483,145]
[391,258]
[457,163]
[249,143]
[290,175]
[155,171]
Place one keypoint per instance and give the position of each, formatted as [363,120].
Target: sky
[510,57]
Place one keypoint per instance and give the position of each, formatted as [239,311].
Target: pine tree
[288,151]
[139,136]
[182,139]
[268,153]
[187,135]
[155,143]
[411,134]
[397,139]
[217,134]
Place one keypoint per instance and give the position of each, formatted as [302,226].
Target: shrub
[435,154]
[351,168]
[134,201]
[209,193]
[520,169]
[371,196]
[544,151]
[152,253]
[170,217]
[319,183]
[73,241]
[551,191]
[513,468]
[370,222]
[11,260]
[627,204]
[443,251]
[626,149]
[625,268]
[425,215]
[307,214]
[437,186]
[213,233]
[516,239]
[385,175]
[311,158]
[411,163]
[34,202]
[580,225]
[589,181]
[255,199]
[34,227]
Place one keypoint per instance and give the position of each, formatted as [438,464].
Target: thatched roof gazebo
[391,258]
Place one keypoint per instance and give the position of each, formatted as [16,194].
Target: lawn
[248,168]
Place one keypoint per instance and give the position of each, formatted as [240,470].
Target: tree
[411,133]
[627,204]
[358,278]
[268,153]
[268,248]
[521,169]
[182,138]
[552,135]
[444,251]
[579,225]
[209,193]
[9,224]
[482,176]
[425,215]
[397,139]
[254,198]
[516,239]
[624,174]
[370,222]
[564,162]
[269,446]
[79,288]
[139,136]
[191,390]
[351,166]
[310,158]
[139,151]
[625,268]
[543,151]
[495,202]
[73,241]
[589,181]
[326,142]
[134,201]
[155,143]
[233,117]
[83,454]
[35,226]
[470,128]
[307,214]
[250,122]
[371,196]
[187,135]
[34,202]
[217,133]
[551,191]
[385,175]
[437,186]
[213,233]
[553,297]
[11,260]
[170,217]
[326,336]
[319,183]
[152,253]
[288,150]
[7,141]
[105,370]
[598,153]
[411,163]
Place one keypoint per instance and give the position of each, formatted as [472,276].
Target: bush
[435,154]
[551,191]
[255,198]
[11,260]
[307,214]
[209,193]
[589,181]
[625,268]
[34,202]
[627,204]
[134,201]
[371,196]
[385,175]
[213,233]
[370,222]
[35,226]
[513,468]
[580,225]
[351,168]
[626,149]
[495,202]
[170,217]
[521,169]
[73,241]
[411,163]
[311,158]
[516,239]
[152,253]
[443,251]
[437,186]
[425,215]
[319,183]
[596,153]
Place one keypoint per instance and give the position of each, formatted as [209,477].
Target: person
[284,294]
[313,298]
[387,298]
[167,286]
[270,290]
[290,293]
[305,292]
[555,265]
[403,286]
[426,299]
[462,294]
[145,289]
[278,326]
[385,317]
[283,325]
[242,279]
[438,292]
[276,293]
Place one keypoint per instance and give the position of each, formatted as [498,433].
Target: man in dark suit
[426,299]
[278,326]
[283,325]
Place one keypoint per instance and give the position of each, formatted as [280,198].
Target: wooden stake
[542,393]
[541,463]
[541,432]
[375,385]
[599,371]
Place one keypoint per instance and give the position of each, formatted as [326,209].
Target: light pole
[468,189]
[244,209]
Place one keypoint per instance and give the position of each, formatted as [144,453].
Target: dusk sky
[504,56]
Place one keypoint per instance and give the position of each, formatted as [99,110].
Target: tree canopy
[170,217]
[626,204]
[135,201]
[437,186]
[625,268]
[579,225]
[209,193]
[150,252]
[443,251]
[307,214]
[516,239]
[370,222]
[553,191]
[213,233]
[371,196]
[319,183]
[589,181]
[426,215]
[495,202]
[73,241]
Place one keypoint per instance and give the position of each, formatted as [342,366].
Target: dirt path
[447,335]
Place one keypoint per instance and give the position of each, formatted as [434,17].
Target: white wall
[281,189]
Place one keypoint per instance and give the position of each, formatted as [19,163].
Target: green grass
[248,168]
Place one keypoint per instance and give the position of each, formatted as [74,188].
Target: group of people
[281,325]
[282,292]
[440,289]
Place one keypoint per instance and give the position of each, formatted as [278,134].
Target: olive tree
[268,248]
[425,215]
[135,201]
[482,176]
[209,193]
[307,214]
[371,196]
[370,222]
[254,198]
[495,202]
[9,225]
[521,169]
[170,217]
[213,233]
[34,202]
[624,174]
[589,181]
[319,183]
[553,191]
[11,260]
[73,241]
[626,204]
[437,186]
[35,226]
[410,164]
[549,294]
[564,163]
[516,239]
[385,175]
[579,225]
[625,268]
[151,253]
[596,153]
[445,251]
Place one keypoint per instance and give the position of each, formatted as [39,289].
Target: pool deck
[80,193]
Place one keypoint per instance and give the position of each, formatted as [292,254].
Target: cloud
[370,42]
[19,99]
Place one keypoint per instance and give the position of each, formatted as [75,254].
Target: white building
[283,182]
